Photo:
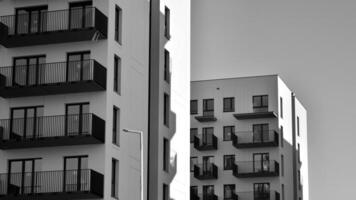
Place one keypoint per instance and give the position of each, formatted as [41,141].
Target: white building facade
[248,140]
[73,75]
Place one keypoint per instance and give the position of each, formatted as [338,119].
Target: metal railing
[208,113]
[206,170]
[256,167]
[51,21]
[258,195]
[205,140]
[47,126]
[250,137]
[49,73]
[48,182]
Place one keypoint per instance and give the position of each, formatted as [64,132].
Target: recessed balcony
[52,78]
[250,139]
[208,116]
[52,185]
[205,142]
[252,169]
[49,131]
[52,27]
[206,171]
[258,195]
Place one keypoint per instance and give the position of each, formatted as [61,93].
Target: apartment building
[74,74]
[248,140]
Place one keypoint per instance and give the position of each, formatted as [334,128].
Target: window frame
[226,157]
[118,24]
[167,19]
[116,122]
[206,110]
[192,141]
[224,133]
[167,72]
[194,112]
[115,178]
[117,74]
[166,109]
[261,105]
[231,101]
[232,192]
[192,166]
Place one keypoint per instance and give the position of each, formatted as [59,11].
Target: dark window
[117,74]
[167,72]
[261,190]
[166,154]
[31,20]
[25,122]
[261,162]
[282,137]
[167,18]
[229,104]
[165,192]
[115,178]
[78,66]
[28,71]
[281,106]
[208,107]
[116,126]
[260,103]
[77,119]
[193,161]
[229,191]
[299,180]
[283,195]
[298,127]
[193,133]
[299,160]
[194,191]
[118,24]
[282,165]
[229,161]
[228,131]
[207,135]
[193,107]
[208,191]
[80,15]
[260,133]
[166,109]
[73,166]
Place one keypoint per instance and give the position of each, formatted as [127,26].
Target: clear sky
[312,45]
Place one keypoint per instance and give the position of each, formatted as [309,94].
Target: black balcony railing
[208,116]
[52,78]
[76,24]
[205,142]
[48,185]
[205,171]
[60,130]
[250,139]
[194,196]
[257,113]
[210,197]
[258,195]
[250,169]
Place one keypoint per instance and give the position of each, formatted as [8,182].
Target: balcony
[267,168]
[258,113]
[52,78]
[206,142]
[52,27]
[250,139]
[208,116]
[61,130]
[52,185]
[206,172]
[258,195]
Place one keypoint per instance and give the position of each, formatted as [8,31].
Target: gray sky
[312,45]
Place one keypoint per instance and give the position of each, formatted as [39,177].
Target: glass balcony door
[207,136]
[25,122]
[208,162]
[78,66]
[208,192]
[260,133]
[75,175]
[261,162]
[77,119]
[27,71]
[31,20]
[261,191]
[208,107]
[80,15]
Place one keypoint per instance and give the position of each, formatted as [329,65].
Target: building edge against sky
[291,178]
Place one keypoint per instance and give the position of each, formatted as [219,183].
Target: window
[167,18]
[166,110]
[260,133]
[228,131]
[261,190]
[165,192]
[25,122]
[31,20]
[208,191]
[193,107]
[117,74]
[118,24]
[116,126]
[77,119]
[207,136]
[229,162]
[78,66]
[167,73]
[194,191]
[282,165]
[208,107]
[28,71]
[299,181]
[79,16]
[20,174]
[193,161]
[281,106]
[283,195]
[193,133]
[166,154]
[115,178]
[298,127]
[73,166]
[229,104]
[299,160]
[260,103]
[229,191]
[282,137]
